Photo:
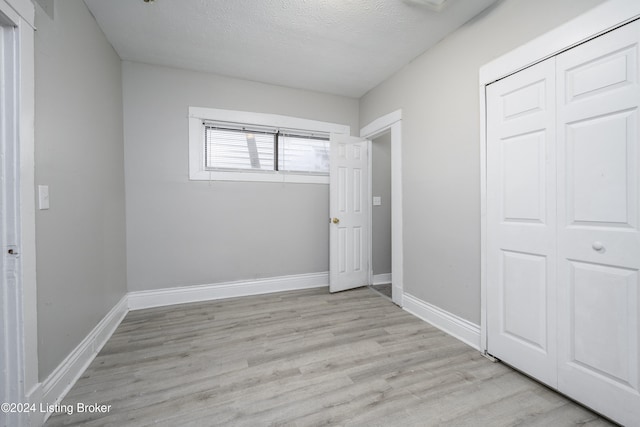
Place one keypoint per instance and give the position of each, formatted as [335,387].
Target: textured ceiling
[344,47]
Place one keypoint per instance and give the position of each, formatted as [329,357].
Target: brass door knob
[335,220]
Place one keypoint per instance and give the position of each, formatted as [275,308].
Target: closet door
[598,220]
[521,221]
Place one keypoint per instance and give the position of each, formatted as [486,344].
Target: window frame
[197,170]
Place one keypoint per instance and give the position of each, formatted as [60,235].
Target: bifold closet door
[521,221]
[598,218]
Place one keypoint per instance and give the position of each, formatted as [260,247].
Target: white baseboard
[58,384]
[381,279]
[162,297]
[462,329]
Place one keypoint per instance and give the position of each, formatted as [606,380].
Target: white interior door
[349,211]
[598,220]
[521,221]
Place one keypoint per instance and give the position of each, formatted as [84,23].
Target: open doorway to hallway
[381,277]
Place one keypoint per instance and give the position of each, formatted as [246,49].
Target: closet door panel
[521,256]
[598,218]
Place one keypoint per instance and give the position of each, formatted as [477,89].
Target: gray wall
[182,232]
[381,186]
[438,94]
[81,271]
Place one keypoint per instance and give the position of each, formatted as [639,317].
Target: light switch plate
[377,200]
[43,197]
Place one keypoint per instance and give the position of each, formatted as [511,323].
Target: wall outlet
[377,200]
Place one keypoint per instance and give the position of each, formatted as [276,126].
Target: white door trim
[589,25]
[392,122]
[24,334]
[12,356]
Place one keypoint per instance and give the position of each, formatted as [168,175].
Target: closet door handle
[597,246]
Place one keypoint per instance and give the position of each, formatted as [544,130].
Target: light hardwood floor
[304,358]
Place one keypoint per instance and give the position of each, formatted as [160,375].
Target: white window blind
[238,149]
[246,148]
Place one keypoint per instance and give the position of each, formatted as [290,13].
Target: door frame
[591,24]
[391,122]
[20,307]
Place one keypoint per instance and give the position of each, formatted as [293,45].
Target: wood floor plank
[303,358]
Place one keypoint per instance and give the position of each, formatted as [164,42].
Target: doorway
[380,171]
[389,126]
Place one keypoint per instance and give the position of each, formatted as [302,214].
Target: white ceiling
[344,47]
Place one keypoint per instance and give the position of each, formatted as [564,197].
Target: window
[297,153]
[240,146]
[238,149]
[244,148]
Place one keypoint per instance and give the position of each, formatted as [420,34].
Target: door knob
[335,220]
[597,246]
